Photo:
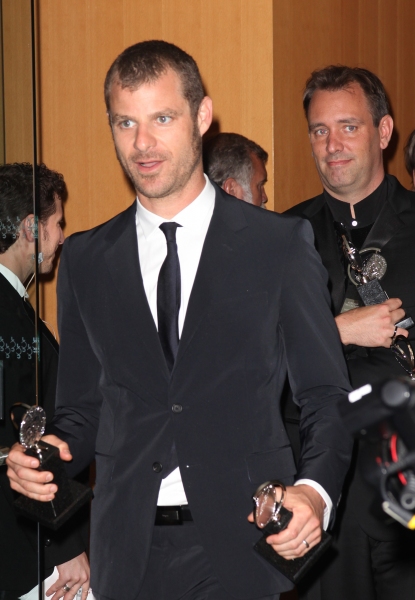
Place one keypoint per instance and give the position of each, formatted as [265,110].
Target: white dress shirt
[14,281]
[152,249]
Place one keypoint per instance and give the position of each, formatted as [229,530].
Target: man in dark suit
[179,319]
[66,549]
[238,166]
[349,127]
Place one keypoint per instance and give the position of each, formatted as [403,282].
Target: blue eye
[127,124]
[163,119]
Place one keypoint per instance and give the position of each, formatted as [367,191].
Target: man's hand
[371,326]
[25,479]
[73,575]
[306,525]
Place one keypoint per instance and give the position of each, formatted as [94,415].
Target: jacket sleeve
[316,367]
[78,400]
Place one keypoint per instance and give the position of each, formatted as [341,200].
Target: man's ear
[28,228]
[205,115]
[385,131]
[232,187]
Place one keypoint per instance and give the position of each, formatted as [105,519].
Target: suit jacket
[394,233]
[250,319]
[18,553]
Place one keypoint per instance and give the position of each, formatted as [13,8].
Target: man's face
[157,141]
[51,237]
[347,147]
[258,180]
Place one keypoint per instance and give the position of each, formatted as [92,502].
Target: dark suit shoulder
[254,217]
[401,198]
[91,239]
[306,208]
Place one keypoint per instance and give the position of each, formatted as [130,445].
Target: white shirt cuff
[323,494]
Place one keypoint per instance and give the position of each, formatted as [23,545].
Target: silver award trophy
[272,517]
[365,274]
[70,496]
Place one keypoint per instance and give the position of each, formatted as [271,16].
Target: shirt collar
[366,210]
[191,217]
[14,281]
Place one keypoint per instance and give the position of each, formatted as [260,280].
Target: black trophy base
[292,569]
[70,496]
[372,293]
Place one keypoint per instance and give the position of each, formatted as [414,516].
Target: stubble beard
[174,181]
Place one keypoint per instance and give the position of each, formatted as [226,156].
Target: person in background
[409,155]
[238,166]
[66,563]
[349,126]
[178,320]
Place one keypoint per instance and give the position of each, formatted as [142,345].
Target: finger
[297,547]
[287,545]
[63,447]
[393,303]
[18,458]
[396,315]
[85,589]
[22,474]
[85,592]
[402,332]
[36,491]
[251,518]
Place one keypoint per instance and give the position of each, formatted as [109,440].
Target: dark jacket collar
[387,224]
[219,250]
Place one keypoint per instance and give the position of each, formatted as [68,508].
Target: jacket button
[157,467]
[47,542]
[177,408]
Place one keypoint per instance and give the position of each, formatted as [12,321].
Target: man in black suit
[179,319]
[66,549]
[238,166]
[349,127]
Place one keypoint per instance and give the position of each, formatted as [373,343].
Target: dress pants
[179,568]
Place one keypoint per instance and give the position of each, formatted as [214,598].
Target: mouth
[338,162]
[148,166]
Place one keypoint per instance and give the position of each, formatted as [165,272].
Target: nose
[144,139]
[334,144]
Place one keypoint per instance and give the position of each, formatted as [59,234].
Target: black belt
[172,515]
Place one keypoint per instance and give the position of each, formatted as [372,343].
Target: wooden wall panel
[231,42]
[254,56]
[17,81]
[375,34]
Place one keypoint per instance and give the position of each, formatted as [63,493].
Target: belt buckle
[171,516]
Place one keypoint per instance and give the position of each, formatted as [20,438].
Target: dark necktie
[168,296]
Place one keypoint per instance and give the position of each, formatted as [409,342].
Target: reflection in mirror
[20,559]
[31,214]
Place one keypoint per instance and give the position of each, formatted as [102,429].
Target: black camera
[384,416]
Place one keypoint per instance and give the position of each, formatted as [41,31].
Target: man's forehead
[346,101]
[167,79]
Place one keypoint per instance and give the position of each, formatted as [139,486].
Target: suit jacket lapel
[388,221]
[219,252]
[124,267]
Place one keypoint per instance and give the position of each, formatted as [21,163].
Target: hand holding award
[70,496]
